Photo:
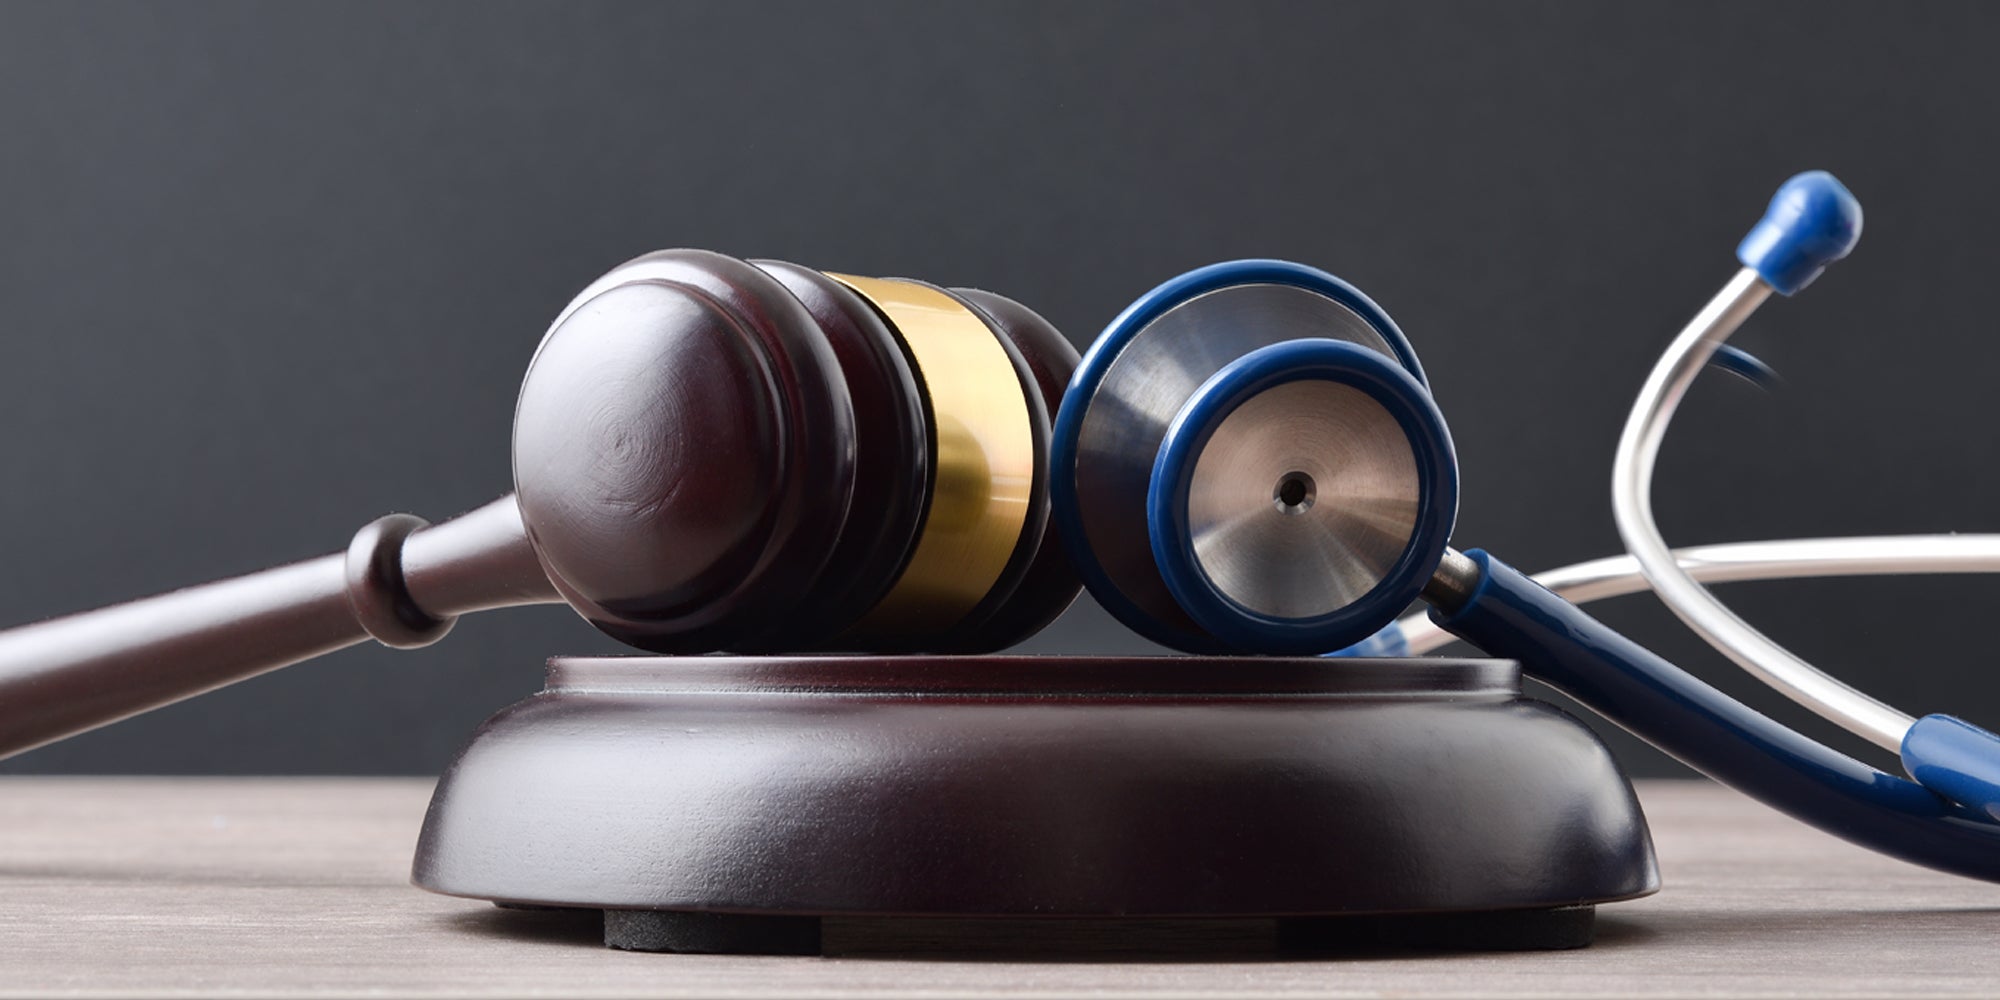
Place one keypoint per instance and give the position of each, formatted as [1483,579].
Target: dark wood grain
[892,466]
[708,454]
[683,452]
[1051,786]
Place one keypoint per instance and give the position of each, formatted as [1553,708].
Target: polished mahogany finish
[893,445]
[684,452]
[690,475]
[68,675]
[1034,786]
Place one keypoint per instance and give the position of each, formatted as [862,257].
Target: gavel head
[714,454]
[1249,460]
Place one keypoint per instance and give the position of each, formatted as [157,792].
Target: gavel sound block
[727,804]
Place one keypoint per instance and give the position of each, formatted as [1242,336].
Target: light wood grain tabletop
[300,887]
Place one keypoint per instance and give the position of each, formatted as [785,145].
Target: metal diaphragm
[1302,497]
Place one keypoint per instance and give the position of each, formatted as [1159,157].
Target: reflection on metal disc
[1146,385]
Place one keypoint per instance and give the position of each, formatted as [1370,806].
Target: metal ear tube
[1734,562]
[1303,488]
[1812,221]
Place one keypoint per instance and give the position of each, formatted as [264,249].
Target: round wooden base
[727,804]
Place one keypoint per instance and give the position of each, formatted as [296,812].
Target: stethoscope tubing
[1507,614]
[1701,611]
[1948,819]
[1746,562]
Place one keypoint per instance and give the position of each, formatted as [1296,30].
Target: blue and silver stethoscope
[1249,460]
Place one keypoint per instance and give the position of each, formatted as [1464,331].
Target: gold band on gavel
[985,462]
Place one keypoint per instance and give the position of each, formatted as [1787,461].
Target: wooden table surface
[214,887]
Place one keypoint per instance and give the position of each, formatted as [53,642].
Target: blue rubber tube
[1511,616]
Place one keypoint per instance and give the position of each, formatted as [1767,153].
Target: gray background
[269,271]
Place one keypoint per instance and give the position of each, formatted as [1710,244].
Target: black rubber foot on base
[704,933]
[698,933]
[1502,930]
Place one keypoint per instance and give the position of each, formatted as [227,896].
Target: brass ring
[985,461]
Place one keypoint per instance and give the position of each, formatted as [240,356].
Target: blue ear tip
[1955,759]
[1813,221]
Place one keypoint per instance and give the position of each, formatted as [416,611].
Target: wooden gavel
[709,454]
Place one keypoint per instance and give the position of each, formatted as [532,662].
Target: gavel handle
[400,581]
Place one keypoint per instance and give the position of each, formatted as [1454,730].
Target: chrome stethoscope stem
[1738,562]
[1632,506]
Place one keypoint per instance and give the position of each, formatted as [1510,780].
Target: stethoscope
[1249,459]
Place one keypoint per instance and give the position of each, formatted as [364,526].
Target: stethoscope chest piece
[1248,463]
[1302,497]
[1300,490]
